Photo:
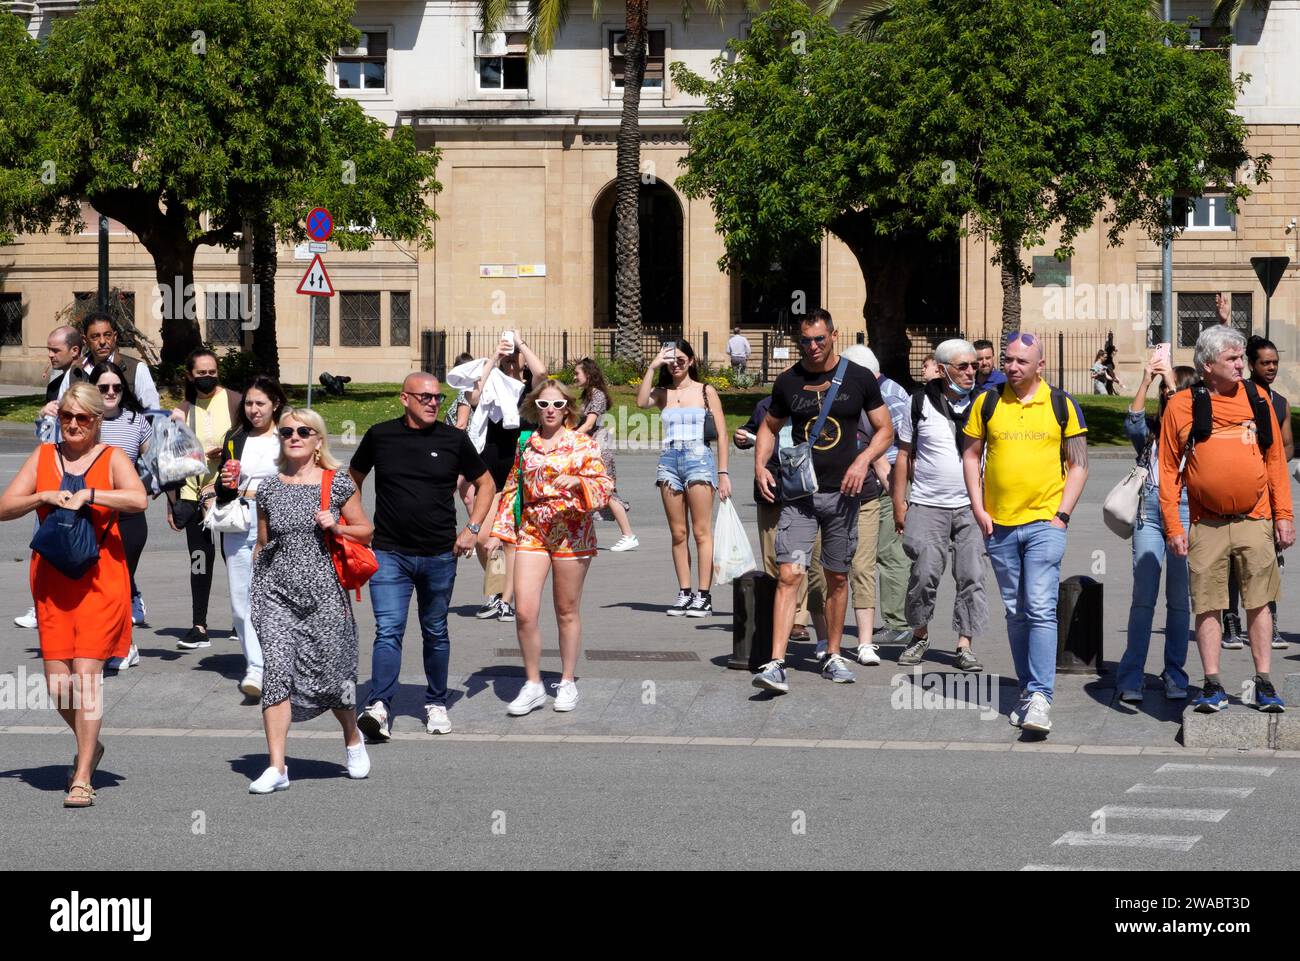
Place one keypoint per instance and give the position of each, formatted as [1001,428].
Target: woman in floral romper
[564,481]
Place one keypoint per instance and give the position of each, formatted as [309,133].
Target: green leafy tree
[199,122]
[546,19]
[1004,119]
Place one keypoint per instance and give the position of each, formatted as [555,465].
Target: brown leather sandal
[80,796]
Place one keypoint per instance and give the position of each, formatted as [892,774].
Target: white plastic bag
[179,453]
[732,555]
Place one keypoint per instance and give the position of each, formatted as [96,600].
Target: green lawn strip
[364,405]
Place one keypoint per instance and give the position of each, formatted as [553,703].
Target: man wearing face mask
[937,518]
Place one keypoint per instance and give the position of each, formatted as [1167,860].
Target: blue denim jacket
[1138,433]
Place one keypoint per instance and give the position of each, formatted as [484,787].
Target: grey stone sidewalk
[628,686]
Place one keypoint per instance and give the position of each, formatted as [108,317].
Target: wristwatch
[474,528]
[1065,518]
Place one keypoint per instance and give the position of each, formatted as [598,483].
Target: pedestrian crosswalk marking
[1163,842]
[1237,792]
[1253,770]
[1164,814]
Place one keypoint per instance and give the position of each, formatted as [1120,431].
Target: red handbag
[354,563]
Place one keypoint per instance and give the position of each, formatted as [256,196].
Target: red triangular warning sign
[316,282]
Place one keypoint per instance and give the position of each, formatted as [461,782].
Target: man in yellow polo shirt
[1035,462]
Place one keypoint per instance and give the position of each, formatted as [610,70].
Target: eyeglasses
[809,341]
[107,389]
[303,432]
[548,404]
[969,365]
[81,420]
[1026,339]
[426,398]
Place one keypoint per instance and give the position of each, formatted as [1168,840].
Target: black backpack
[1203,417]
[1060,407]
[933,390]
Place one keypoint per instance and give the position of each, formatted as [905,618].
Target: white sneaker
[530,698]
[438,722]
[358,760]
[820,653]
[27,620]
[121,664]
[628,542]
[374,722]
[1038,713]
[868,654]
[271,780]
[566,695]
[251,685]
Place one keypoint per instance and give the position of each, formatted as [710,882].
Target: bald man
[417,460]
[1035,453]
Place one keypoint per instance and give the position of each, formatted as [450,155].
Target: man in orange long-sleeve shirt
[1239,499]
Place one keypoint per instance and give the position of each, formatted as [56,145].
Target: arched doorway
[660,217]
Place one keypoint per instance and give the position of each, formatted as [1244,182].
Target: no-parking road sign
[320,224]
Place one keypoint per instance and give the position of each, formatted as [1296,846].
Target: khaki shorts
[1245,544]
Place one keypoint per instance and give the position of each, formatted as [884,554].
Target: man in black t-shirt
[417,460]
[841,468]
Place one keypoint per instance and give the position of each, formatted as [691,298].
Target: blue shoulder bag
[66,538]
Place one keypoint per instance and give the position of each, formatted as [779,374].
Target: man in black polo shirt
[416,459]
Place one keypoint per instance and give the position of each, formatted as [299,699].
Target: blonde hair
[308,418]
[84,395]
[528,409]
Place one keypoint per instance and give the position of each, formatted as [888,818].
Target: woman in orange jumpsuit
[564,481]
[86,620]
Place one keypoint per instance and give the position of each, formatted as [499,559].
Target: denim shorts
[686,463]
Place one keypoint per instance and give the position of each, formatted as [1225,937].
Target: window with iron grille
[399,318]
[320,321]
[225,317]
[1197,312]
[11,320]
[1155,319]
[359,319]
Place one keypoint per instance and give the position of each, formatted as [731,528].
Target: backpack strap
[991,397]
[1259,406]
[1061,408]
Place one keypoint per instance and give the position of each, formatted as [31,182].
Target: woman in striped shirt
[125,427]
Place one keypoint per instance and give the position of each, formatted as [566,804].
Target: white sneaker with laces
[251,685]
[628,542]
[869,654]
[438,722]
[121,664]
[530,698]
[1038,713]
[270,781]
[566,695]
[27,620]
[358,760]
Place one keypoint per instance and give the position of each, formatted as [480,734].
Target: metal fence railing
[1069,355]
[557,349]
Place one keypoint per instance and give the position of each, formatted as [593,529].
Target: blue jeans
[431,578]
[1148,557]
[1027,564]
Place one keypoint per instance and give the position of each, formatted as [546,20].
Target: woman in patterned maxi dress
[301,613]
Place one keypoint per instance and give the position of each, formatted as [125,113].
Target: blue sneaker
[771,677]
[1213,699]
[1266,698]
[836,669]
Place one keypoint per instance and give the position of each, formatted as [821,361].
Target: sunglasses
[303,432]
[548,404]
[426,398]
[81,420]
[809,341]
[107,389]
[969,365]
[1026,339]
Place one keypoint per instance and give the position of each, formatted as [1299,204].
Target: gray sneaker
[1278,642]
[967,661]
[1038,713]
[1233,639]
[837,669]
[771,677]
[889,635]
[915,650]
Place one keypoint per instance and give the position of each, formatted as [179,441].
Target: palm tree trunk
[627,232]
